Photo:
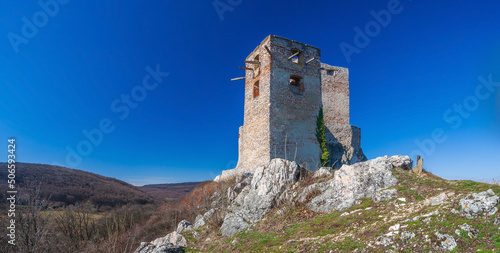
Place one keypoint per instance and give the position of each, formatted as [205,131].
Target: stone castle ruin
[285,87]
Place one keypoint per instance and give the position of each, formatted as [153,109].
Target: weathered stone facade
[283,95]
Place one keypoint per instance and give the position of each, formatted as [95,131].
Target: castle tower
[285,86]
[282,100]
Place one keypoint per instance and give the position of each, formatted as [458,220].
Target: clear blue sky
[86,54]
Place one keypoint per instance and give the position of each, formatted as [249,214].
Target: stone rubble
[383,241]
[471,232]
[445,242]
[406,236]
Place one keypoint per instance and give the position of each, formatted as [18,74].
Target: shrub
[320,135]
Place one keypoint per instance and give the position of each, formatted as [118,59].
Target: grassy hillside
[61,186]
[293,228]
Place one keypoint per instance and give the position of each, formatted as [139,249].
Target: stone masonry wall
[335,94]
[344,144]
[254,134]
[294,109]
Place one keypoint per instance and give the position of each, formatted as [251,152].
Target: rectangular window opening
[256,90]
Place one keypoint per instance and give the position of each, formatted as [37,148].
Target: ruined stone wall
[294,108]
[335,94]
[254,134]
[343,140]
[344,144]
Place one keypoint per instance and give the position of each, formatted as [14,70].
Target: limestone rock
[352,182]
[201,219]
[471,232]
[445,242]
[145,247]
[258,198]
[231,195]
[406,236]
[235,222]
[323,172]
[165,248]
[401,162]
[245,178]
[174,238]
[171,243]
[475,204]
[184,226]
[384,195]
[438,200]
[318,187]
[383,241]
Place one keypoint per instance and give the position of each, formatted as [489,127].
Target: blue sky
[406,82]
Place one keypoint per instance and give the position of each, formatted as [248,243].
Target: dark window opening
[256,89]
[256,66]
[296,52]
[330,72]
[296,85]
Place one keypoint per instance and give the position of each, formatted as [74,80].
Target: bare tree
[33,225]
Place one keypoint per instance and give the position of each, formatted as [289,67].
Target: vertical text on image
[11,192]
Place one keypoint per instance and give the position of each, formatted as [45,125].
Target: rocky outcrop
[445,242]
[437,200]
[352,182]
[323,172]
[165,248]
[475,204]
[174,238]
[401,162]
[243,201]
[173,242]
[268,184]
[184,226]
[384,195]
[201,219]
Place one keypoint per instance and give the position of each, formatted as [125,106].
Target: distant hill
[167,192]
[62,186]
